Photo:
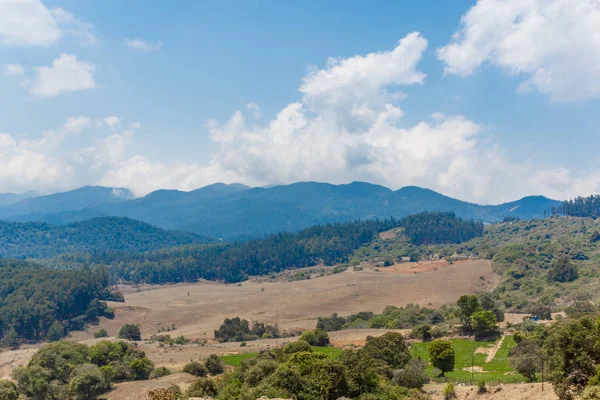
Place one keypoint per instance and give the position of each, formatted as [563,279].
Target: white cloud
[143,45]
[254,110]
[73,25]
[66,74]
[14,70]
[30,23]
[554,44]
[111,121]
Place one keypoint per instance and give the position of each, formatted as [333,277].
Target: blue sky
[146,94]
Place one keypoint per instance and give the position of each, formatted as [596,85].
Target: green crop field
[236,359]
[497,370]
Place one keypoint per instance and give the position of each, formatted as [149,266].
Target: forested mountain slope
[234,211]
[41,240]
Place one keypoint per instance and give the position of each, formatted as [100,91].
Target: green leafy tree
[483,323]
[130,332]
[362,372]
[562,271]
[33,382]
[214,365]
[422,332]
[467,305]
[55,332]
[441,355]
[60,358]
[87,382]
[141,368]
[8,390]
[11,339]
[413,375]
[317,337]
[389,347]
[526,359]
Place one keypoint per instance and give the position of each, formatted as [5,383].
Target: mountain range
[236,211]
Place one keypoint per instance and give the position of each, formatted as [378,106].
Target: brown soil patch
[138,390]
[523,391]
[422,266]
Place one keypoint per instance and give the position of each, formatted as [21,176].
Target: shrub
[87,382]
[422,332]
[591,393]
[8,390]
[130,332]
[33,381]
[171,393]
[159,372]
[449,391]
[109,312]
[11,339]
[101,333]
[296,347]
[195,368]
[201,388]
[481,386]
[413,375]
[60,358]
[214,365]
[389,348]
[316,338]
[141,368]
[260,371]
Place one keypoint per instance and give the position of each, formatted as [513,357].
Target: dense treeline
[41,240]
[440,227]
[36,302]
[579,207]
[328,244]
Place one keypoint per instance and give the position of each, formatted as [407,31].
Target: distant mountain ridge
[235,210]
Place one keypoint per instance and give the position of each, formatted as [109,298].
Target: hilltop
[238,211]
[41,240]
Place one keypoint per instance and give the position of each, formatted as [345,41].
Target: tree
[59,359]
[422,332]
[441,355]
[562,270]
[214,365]
[483,323]
[56,332]
[141,367]
[8,390]
[87,382]
[33,381]
[11,339]
[315,338]
[525,358]
[389,347]
[467,304]
[413,375]
[130,332]
[362,372]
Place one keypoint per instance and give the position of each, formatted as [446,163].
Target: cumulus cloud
[66,74]
[143,45]
[553,44]
[14,70]
[31,23]
[347,124]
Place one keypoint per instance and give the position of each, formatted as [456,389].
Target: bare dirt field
[198,309]
[523,391]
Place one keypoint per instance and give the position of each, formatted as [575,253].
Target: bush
[60,358]
[34,382]
[141,368]
[449,392]
[316,338]
[260,371]
[591,393]
[201,388]
[481,386]
[159,372]
[389,348]
[214,365]
[101,333]
[296,347]
[130,332]
[413,375]
[422,332]
[87,382]
[8,390]
[195,368]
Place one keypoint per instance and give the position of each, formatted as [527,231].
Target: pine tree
[11,339]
